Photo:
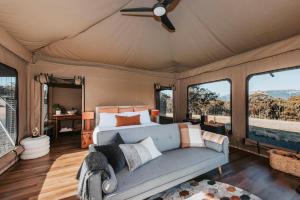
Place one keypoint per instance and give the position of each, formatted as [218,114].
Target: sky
[221,87]
[283,80]
[6,80]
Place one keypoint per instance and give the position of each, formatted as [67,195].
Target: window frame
[247,89]
[17,99]
[201,83]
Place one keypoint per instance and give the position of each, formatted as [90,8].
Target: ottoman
[35,147]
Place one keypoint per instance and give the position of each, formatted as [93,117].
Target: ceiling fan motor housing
[159,10]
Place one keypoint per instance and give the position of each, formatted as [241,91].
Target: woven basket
[285,161]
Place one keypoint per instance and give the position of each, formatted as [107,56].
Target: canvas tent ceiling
[94,30]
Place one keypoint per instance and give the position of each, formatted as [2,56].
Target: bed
[117,110]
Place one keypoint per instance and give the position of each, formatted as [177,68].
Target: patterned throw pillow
[191,136]
[214,141]
[138,154]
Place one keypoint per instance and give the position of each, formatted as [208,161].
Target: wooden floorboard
[53,176]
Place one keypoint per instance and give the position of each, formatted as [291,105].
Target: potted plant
[57,109]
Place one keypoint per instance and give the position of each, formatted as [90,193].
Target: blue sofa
[175,166]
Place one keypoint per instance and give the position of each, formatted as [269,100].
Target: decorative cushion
[144,116]
[138,154]
[110,185]
[113,153]
[213,141]
[127,120]
[213,137]
[191,136]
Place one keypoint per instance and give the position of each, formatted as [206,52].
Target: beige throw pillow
[191,136]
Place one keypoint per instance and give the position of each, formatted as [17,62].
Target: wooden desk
[192,121]
[215,128]
[64,117]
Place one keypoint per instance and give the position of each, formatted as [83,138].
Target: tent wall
[67,97]
[280,55]
[103,86]
[10,44]
[11,59]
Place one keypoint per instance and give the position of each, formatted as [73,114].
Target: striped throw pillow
[138,154]
[191,136]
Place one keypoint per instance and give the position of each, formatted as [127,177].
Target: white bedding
[109,128]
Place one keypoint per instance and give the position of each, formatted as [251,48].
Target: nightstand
[86,138]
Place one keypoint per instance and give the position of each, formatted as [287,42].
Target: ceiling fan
[159,10]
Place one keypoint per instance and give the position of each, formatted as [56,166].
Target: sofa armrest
[95,187]
[224,147]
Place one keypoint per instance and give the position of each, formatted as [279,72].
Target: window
[211,102]
[274,108]
[8,109]
[164,102]
[45,103]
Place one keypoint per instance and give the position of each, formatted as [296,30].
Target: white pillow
[144,116]
[195,135]
[127,114]
[107,119]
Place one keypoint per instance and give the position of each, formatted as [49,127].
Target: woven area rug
[205,190]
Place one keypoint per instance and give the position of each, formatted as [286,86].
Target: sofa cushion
[170,166]
[165,137]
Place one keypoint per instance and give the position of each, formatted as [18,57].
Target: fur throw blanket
[94,163]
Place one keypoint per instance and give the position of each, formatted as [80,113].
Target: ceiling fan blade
[166,21]
[167,2]
[142,9]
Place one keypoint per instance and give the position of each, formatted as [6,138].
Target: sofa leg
[220,170]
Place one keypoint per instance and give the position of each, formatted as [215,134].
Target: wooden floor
[53,176]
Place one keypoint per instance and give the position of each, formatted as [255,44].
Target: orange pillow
[128,120]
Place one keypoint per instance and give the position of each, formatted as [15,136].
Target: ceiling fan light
[159,11]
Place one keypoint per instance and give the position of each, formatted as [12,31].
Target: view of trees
[205,102]
[7,90]
[264,106]
[166,103]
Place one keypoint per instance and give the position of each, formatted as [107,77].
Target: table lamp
[87,116]
[155,115]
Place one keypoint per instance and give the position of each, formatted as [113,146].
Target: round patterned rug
[204,190]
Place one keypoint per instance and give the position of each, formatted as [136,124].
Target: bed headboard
[119,109]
